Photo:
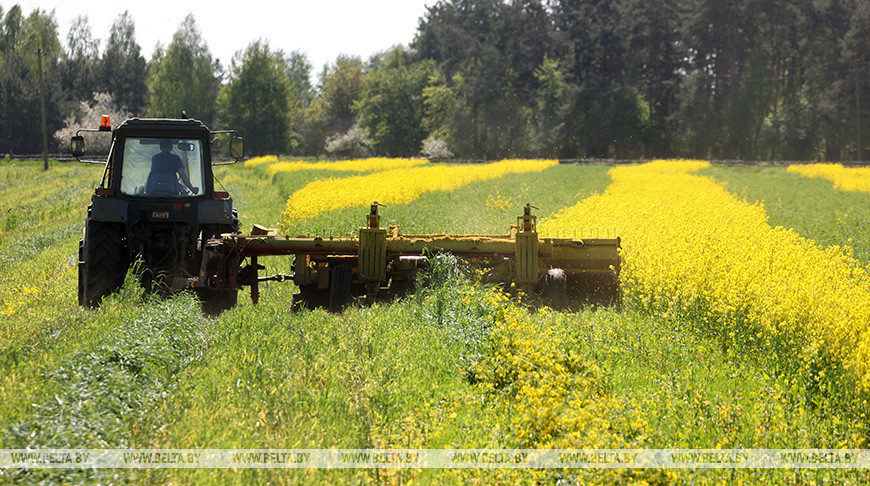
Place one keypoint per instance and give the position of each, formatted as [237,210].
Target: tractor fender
[109,209]
[216,212]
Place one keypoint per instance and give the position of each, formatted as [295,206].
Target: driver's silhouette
[165,169]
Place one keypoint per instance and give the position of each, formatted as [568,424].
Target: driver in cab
[165,169]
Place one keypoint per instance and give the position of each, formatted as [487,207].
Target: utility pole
[42,105]
[860,156]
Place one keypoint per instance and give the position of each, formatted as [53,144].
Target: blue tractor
[157,205]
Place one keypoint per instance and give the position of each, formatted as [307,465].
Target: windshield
[161,167]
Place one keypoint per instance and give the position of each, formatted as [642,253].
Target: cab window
[162,167]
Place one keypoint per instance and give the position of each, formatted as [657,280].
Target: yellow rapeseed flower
[497,202]
[557,398]
[374,164]
[24,296]
[695,252]
[856,179]
[266,159]
[398,186]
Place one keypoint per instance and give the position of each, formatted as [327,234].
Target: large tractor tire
[340,280]
[81,265]
[103,262]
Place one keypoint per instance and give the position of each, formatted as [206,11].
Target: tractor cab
[160,158]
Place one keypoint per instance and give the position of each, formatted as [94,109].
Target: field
[746,324]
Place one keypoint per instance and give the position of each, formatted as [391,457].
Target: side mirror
[77,146]
[237,148]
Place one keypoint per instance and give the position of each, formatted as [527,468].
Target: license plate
[160,215]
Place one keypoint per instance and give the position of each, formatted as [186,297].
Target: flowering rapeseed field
[734,334]
[397,186]
[845,178]
[257,161]
[696,254]
[559,398]
[375,164]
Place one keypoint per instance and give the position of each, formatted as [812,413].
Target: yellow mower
[380,263]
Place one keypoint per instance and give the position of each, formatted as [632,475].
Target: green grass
[267,195]
[41,215]
[308,380]
[146,373]
[98,396]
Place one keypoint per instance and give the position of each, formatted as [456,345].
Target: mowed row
[460,365]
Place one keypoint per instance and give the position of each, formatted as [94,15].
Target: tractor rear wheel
[81,268]
[103,262]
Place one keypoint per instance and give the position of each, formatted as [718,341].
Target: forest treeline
[483,79]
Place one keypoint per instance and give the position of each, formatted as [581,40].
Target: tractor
[154,207]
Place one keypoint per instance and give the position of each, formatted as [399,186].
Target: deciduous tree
[124,70]
[22,39]
[184,76]
[392,107]
[259,100]
[341,86]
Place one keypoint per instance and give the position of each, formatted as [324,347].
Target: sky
[322,29]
